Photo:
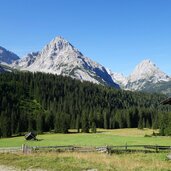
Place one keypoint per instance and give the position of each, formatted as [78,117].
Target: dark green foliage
[45,102]
[85,123]
[78,123]
[165,124]
[93,127]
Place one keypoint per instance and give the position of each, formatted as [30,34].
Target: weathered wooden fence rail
[10,149]
[64,148]
[104,149]
[138,148]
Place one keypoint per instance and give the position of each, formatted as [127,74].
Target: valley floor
[103,137]
[75,161]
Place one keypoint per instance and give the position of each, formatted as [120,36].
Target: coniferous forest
[45,102]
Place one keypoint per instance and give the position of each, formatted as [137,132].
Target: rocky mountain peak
[146,70]
[58,44]
[61,58]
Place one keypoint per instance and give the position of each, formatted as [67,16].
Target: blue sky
[116,33]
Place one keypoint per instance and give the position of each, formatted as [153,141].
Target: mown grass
[103,137]
[85,161]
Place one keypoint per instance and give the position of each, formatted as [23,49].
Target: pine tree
[78,123]
[85,123]
[40,123]
[57,123]
[93,127]
[105,119]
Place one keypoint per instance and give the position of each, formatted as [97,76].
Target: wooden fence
[139,148]
[10,150]
[104,149]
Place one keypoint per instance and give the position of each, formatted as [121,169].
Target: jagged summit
[59,38]
[146,70]
[145,74]
[57,47]
[61,58]
[59,43]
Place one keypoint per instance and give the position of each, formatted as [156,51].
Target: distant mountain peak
[146,63]
[59,38]
[60,42]
[147,69]
[57,47]
[144,74]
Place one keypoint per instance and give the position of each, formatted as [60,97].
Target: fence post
[156,148]
[126,147]
[26,149]
[108,149]
[23,148]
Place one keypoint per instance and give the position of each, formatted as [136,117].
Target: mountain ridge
[62,58]
[7,56]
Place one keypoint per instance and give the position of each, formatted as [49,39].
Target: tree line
[45,102]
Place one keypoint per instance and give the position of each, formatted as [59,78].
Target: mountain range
[62,58]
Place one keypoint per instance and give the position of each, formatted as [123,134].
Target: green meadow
[101,138]
[75,161]
[87,161]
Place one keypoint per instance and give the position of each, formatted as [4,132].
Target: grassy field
[88,161]
[52,161]
[103,137]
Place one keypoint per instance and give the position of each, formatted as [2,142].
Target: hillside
[45,102]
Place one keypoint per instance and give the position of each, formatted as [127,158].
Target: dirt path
[7,168]
[10,168]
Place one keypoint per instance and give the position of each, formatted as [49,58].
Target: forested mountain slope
[44,102]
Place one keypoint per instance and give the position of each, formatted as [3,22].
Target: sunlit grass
[103,137]
[85,161]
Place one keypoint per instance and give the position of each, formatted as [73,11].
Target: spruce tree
[85,123]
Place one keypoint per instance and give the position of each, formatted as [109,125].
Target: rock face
[61,58]
[26,61]
[2,69]
[119,78]
[7,56]
[5,68]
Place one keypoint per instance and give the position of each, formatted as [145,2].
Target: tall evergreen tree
[85,123]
